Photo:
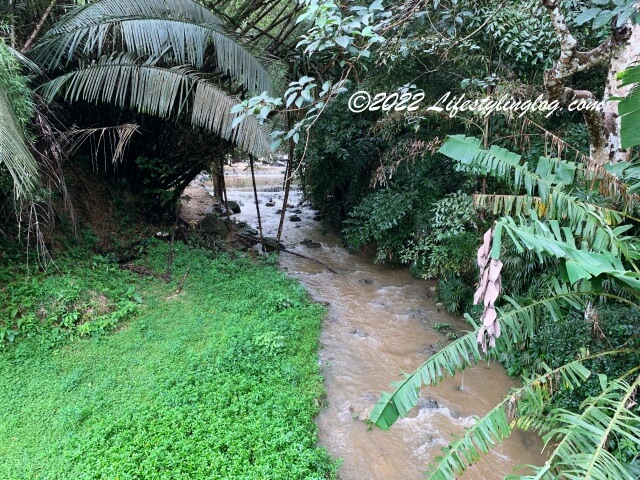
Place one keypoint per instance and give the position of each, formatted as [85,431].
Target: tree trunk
[619,51]
[622,57]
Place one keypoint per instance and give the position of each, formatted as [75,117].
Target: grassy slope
[220,381]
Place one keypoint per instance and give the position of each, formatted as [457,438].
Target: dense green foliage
[219,381]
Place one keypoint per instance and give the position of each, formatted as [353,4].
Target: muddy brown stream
[380,323]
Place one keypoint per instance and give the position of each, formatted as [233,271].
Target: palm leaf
[14,151]
[547,182]
[519,322]
[498,423]
[15,154]
[163,92]
[629,108]
[582,449]
[179,30]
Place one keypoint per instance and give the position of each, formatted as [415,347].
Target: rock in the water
[234,207]
[310,243]
[366,281]
[297,211]
[272,244]
[428,404]
[358,333]
[278,211]
[270,204]
[295,218]
[213,225]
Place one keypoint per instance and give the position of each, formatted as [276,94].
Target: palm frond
[163,92]
[16,108]
[519,323]
[152,28]
[547,182]
[498,423]
[14,149]
[583,437]
[629,108]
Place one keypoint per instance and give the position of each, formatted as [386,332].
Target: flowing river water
[380,323]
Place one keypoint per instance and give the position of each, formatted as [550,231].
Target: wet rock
[371,397]
[358,333]
[271,244]
[270,204]
[213,225]
[366,281]
[278,211]
[455,415]
[234,206]
[310,243]
[326,304]
[427,404]
[289,205]
[432,348]
[295,218]
[242,224]
[297,211]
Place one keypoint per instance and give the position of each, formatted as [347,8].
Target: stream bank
[381,322]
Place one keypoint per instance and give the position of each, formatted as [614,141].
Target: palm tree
[172,59]
[16,110]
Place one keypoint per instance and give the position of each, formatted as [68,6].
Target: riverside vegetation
[127,379]
[552,203]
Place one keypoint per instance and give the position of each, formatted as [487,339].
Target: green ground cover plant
[218,381]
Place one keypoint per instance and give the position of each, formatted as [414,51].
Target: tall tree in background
[617,52]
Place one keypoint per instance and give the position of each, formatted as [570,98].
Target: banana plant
[590,246]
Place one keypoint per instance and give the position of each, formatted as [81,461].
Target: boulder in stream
[271,244]
[295,218]
[427,404]
[310,243]
[234,206]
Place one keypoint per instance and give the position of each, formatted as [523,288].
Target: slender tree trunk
[255,196]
